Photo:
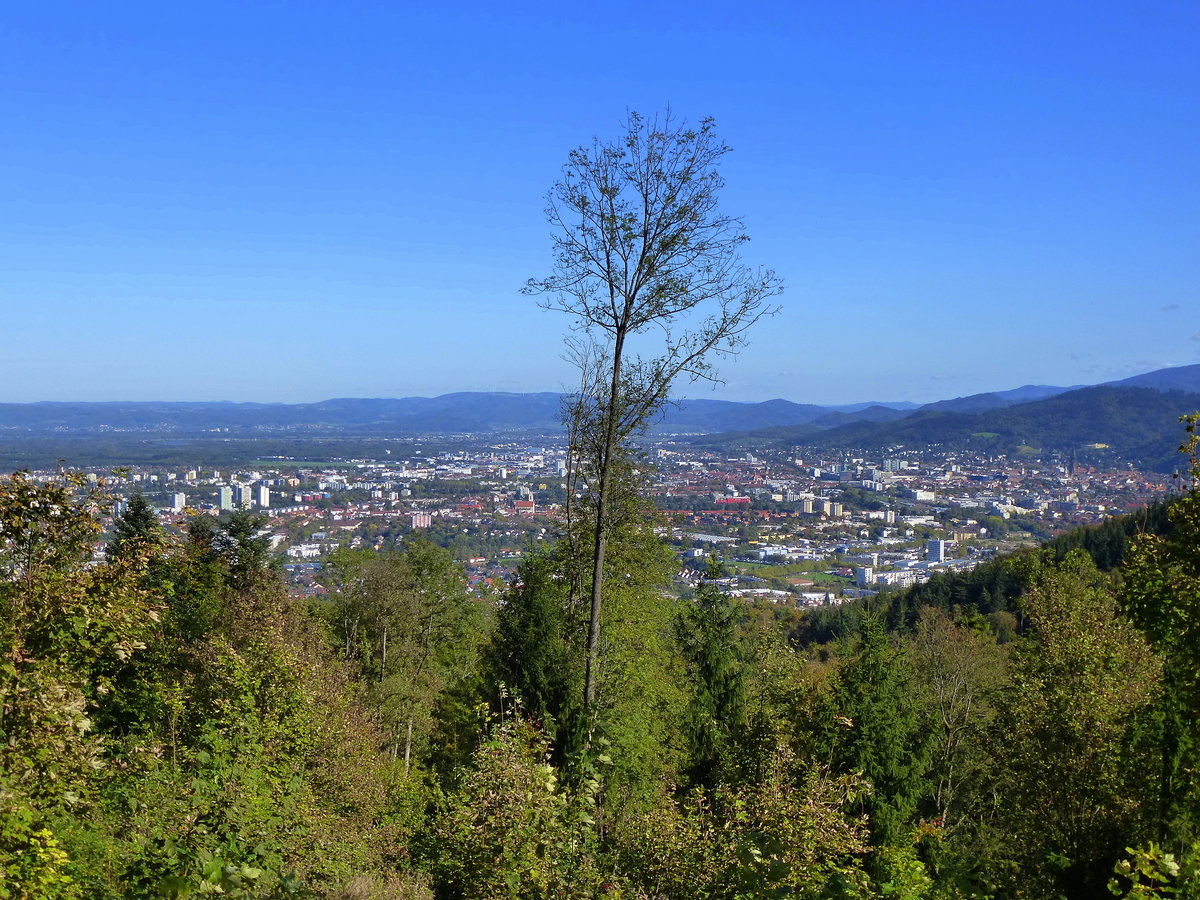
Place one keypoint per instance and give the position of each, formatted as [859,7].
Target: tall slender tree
[640,245]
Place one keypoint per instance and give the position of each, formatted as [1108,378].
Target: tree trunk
[606,454]
[407,745]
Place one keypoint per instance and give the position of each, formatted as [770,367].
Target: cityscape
[799,528]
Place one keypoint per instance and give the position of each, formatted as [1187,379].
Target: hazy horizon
[680,396]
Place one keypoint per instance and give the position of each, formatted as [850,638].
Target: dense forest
[171,724]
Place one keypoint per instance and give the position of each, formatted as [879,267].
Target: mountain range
[1135,418]
[1131,416]
[461,412]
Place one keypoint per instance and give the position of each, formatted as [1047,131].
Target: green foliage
[236,820]
[868,724]
[714,655]
[65,626]
[406,620]
[1161,587]
[959,673]
[535,652]
[1073,776]
[32,864]
[639,699]
[137,530]
[786,836]
[539,648]
[1150,871]
[511,829]
[148,751]
[237,542]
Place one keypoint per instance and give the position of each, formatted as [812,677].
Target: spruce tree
[137,529]
[708,635]
[872,724]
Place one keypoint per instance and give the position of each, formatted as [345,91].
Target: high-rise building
[936,551]
[242,496]
[263,496]
[178,502]
[225,497]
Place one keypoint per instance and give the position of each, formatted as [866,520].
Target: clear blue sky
[296,201]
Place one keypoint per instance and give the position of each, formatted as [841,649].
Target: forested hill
[1139,424]
[1174,378]
[976,403]
[992,590]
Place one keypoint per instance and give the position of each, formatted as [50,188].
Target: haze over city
[295,202]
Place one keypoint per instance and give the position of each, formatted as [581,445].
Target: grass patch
[764,568]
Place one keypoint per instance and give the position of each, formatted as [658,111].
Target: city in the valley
[796,528]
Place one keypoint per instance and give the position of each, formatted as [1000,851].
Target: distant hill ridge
[458,412]
[1140,424]
[1175,378]
[1134,399]
[997,399]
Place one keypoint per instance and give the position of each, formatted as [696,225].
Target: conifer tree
[708,634]
[135,529]
[871,724]
[534,651]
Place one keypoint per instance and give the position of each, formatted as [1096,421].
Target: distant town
[792,527]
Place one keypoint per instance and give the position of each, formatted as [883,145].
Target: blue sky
[296,201]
